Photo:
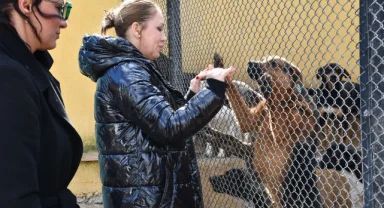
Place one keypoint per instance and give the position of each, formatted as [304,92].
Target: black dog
[337,93]
[299,187]
[336,98]
[243,183]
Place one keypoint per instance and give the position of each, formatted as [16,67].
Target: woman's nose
[63,24]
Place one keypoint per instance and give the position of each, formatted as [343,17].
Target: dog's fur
[282,153]
[244,184]
[222,132]
[339,101]
[286,120]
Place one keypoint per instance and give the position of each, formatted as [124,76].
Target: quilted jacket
[143,128]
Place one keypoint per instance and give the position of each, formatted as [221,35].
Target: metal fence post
[372,89]
[174,41]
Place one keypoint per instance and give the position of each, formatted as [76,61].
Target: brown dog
[282,120]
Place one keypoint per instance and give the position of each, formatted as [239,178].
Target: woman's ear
[136,30]
[25,6]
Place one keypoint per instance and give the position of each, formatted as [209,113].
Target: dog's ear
[340,71]
[344,73]
[296,74]
[218,61]
[319,72]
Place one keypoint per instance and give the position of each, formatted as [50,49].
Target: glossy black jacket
[143,128]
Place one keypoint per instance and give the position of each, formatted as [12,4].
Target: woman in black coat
[40,151]
[143,125]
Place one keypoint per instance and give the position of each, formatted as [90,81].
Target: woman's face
[50,28]
[152,37]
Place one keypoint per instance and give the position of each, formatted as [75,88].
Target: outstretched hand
[217,73]
[212,73]
[203,74]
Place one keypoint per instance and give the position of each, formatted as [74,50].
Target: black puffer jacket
[143,128]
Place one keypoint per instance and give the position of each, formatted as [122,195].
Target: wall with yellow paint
[77,90]
[87,179]
[308,33]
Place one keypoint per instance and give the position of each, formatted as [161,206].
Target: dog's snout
[334,78]
[253,70]
[266,79]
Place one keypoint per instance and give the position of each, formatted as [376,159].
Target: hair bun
[108,21]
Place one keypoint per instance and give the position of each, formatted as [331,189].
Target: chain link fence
[318,140]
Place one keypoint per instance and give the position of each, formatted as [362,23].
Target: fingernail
[197,77]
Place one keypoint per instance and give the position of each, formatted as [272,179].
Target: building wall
[308,33]
[78,90]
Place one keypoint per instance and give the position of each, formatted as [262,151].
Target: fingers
[228,73]
[203,74]
[195,85]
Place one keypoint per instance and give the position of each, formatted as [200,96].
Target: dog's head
[331,74]
[276,76]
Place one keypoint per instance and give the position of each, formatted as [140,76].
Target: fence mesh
[304,147]
[372,89]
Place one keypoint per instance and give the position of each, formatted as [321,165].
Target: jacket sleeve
[19,139]
[189,95]
[143,103]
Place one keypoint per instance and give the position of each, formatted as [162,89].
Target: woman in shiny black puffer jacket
[144,127]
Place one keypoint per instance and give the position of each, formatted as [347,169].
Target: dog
[339,102]
[244,184]
[286,122]
[223,136]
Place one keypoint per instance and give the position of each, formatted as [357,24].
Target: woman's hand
[221,74]
[195,85]
[211,73]
[203,74]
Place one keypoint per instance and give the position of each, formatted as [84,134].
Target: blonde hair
[130,11]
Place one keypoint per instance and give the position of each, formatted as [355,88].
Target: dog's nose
[253,70]
[333,78]
[266,79]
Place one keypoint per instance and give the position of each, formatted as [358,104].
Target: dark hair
[130,11]
[6,7]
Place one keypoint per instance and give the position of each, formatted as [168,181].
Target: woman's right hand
[218,73]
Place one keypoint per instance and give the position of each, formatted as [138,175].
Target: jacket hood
[99,53]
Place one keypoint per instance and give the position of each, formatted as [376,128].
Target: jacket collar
[38,64]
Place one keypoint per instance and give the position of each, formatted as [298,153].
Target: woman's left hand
[195,85]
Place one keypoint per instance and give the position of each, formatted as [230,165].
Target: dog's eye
[288,69]
[273,64]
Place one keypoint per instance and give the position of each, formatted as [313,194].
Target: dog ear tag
[299,87]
